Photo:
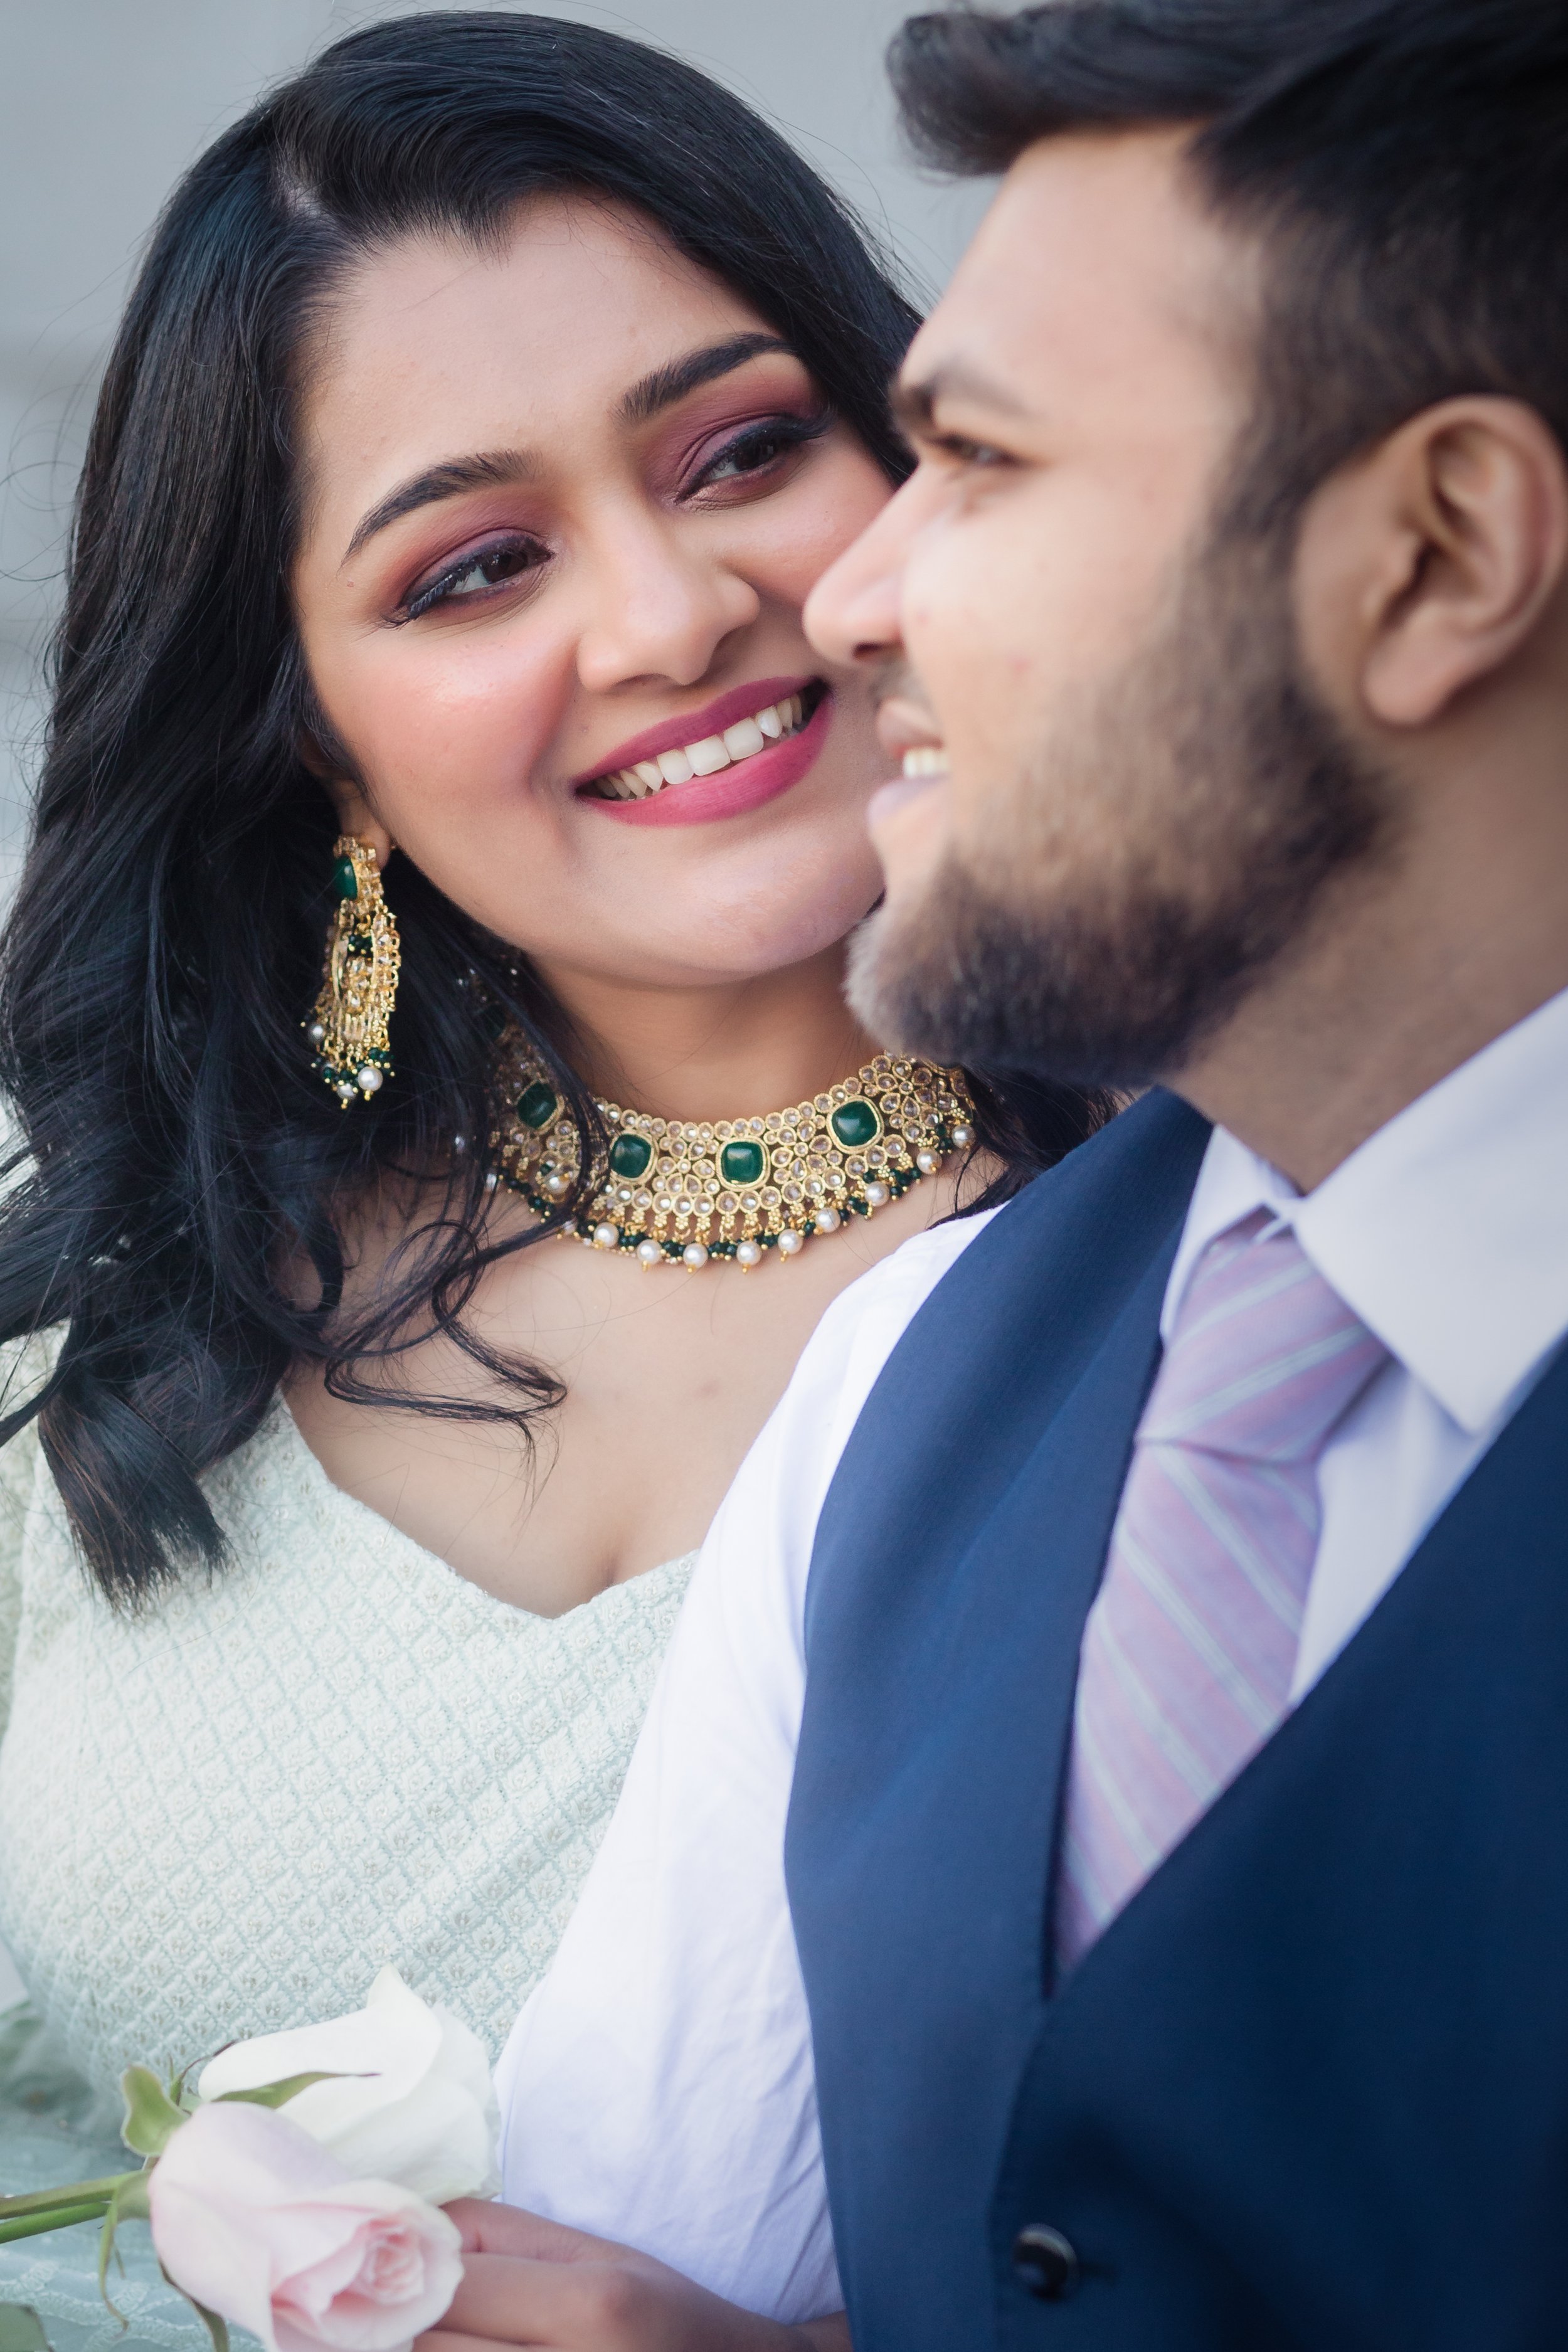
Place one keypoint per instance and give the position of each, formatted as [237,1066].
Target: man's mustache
[893,679]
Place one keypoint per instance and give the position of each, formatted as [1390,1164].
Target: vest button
[1044,2262]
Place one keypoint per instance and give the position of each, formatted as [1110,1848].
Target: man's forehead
[1096,258]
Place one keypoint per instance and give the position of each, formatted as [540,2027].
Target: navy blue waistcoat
[1311,2088]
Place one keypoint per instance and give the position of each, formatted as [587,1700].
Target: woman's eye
[476,575]
[753,452]
[748,457]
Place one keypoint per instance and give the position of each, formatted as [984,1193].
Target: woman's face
[563,505]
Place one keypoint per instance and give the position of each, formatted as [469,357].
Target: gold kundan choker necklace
[675,1192]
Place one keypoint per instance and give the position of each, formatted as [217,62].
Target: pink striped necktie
[1189,1650]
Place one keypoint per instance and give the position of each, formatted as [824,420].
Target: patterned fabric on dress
[1189,1650]
[223,1815]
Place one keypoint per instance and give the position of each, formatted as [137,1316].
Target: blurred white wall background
[102,104]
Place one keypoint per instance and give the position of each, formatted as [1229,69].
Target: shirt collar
[1448,1230]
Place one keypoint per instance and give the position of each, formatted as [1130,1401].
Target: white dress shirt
[1448,1234]
[658,2087]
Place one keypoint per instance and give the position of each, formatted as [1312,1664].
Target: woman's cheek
[473,726]
[843,498]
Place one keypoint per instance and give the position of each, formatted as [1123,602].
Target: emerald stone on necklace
[674,1192]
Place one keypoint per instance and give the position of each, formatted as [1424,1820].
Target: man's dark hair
[1404,162]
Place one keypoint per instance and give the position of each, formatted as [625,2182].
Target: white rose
[423,2111]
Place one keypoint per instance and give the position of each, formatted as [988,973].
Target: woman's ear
[1426,567]
[355,817]
[355,814]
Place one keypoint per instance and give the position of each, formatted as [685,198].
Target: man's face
[1127,797]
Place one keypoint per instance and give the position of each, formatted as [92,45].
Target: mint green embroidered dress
[223,1815]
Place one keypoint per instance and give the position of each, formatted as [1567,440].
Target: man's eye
[475,575]
[963,452]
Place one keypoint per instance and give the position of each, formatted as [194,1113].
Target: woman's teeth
[925,760]
[705,758]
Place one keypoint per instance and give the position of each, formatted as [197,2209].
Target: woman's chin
[670,955]
[741,912]
[750,949]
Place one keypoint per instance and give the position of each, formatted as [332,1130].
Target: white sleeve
[658,2087]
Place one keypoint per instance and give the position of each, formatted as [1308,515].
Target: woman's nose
[658,606]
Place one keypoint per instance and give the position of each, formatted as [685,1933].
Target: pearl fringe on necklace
[690,1194]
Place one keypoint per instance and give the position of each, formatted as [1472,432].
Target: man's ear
[1426,567]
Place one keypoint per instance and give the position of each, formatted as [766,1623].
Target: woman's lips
[673,734]
[746,785]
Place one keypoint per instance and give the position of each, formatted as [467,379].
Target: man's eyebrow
[486,471]
[672,381]
[914,405]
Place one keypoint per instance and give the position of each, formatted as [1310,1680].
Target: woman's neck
[717,1052]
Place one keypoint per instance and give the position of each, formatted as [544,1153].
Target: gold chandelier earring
[359,983]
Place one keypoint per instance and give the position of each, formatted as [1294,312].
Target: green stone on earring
[537,1105]
[345,881]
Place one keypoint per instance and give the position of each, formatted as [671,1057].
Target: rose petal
[422,2110]
[252,2218]
[394,2039]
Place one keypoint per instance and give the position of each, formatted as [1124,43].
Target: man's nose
[855,611]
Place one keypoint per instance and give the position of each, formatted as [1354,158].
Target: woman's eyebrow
[486,471]
[672,381]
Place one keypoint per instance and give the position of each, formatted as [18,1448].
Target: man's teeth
[926,759]
[705,758]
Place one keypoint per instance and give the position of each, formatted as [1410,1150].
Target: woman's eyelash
[486,563]
[759,444]
[776,435]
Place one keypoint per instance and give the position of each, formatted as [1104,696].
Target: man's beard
[1219,798]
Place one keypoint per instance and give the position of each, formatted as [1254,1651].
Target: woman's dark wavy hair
[175,1149]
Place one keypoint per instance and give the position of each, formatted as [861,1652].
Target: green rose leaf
[150,2116]
[278,2095]
[21,2329]
[130,2202]
[216,2328]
